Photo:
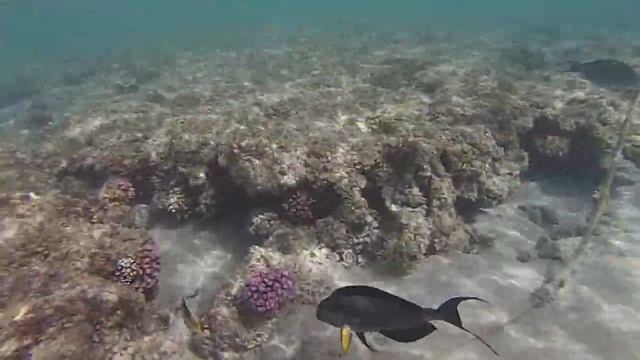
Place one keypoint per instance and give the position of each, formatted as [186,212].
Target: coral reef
[267,291]
[265,224]
[577,136]
[141,272]
[58,296]
[127,270]
[300,206]
[118,191]
[231,328]
[383,152]
[173,202]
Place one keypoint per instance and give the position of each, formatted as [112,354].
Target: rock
[77,73]
[627,174]
[553,146]
[155,97]
[541,215]
[523,256]
[126,87]
[565,230]
[39,114]
[141,216]
[395,73]
[528,58]
[186,100]
[483,239]
[557,250]
[548,249]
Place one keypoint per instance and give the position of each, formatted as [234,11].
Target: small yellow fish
[345,338]
[190,320]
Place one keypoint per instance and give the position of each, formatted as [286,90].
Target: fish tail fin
[448,311]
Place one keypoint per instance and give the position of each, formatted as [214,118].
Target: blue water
[40,39]
[39,31]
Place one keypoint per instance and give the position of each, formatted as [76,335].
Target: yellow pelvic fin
[345,338]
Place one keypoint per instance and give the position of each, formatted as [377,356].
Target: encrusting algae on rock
[60,286]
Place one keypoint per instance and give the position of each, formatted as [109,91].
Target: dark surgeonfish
[363,309]
[608,73]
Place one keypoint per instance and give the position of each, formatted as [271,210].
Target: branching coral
[264,225]
[299,206]
[175,202]
[149,260]
[268,290]
[141,272]
[127,270]
[118,191]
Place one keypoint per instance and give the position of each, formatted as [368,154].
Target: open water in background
[39,31]
[42,33]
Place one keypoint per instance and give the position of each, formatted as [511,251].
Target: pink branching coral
[268,290]
[141,272]
[149,260]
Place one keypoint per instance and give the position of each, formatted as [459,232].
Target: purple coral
[300,206]
[268,290]
[142,272]
[149,262]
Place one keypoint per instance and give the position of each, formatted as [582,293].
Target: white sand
[597,317]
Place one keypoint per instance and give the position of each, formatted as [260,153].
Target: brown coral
[118,191]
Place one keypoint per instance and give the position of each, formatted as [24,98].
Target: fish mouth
[326,315]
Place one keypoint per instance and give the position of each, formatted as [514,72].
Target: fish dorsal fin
[410,334]
[372,292]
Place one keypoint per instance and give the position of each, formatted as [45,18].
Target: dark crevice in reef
[372,192]
[306,203]
[467,209]
[224,199]
[447,161]
[87,173]
[94,175]
[231,200]
[556,151]
[300,205]
[141,179]
[327,201]
[464,181]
